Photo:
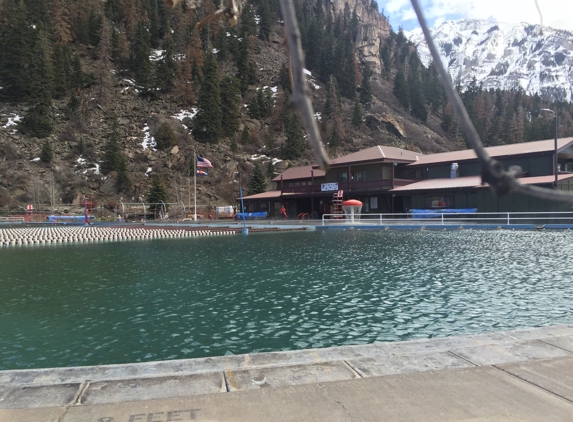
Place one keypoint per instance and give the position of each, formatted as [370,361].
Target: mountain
[536,58]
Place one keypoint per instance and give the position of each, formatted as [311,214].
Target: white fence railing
[503,218]
[12,219]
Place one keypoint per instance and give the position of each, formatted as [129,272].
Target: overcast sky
[556,13]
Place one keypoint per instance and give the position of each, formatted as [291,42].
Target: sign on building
[326,187]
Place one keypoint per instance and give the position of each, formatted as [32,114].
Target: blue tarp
[438,213]
[250,215]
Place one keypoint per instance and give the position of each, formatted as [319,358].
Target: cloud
[556,13]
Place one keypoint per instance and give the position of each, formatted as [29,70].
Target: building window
[360,176]
[342,176]
[374,203]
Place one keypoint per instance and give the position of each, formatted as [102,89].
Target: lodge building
[393,180]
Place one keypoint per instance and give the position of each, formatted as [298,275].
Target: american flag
[203,162]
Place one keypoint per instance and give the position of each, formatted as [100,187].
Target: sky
[556,13]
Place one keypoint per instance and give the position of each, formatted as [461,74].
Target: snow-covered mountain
[537,58]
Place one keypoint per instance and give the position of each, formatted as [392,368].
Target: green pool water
[173,299]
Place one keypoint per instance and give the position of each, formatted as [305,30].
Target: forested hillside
[112,98]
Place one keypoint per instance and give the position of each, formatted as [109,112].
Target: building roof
[375,154]
[273,194]
[534,147]
[472,182]
[303,172]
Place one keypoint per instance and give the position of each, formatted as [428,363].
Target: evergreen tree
[258,183]
[270,170]
[253,107]
[230,105]
[270,144]
[47,153]
[401,90]
[140,51]
[294,143]
[165,137]
[234,146]
[248,24]
[15,51]
[245,137]
[166,67]
[77,76]
[61,73]
[366,88]
[357,114]
[334,140]
[207,125]
[284,78]
[112,151]
[103,65]
[157,193]
[245,66]
[123,183]
[266,20]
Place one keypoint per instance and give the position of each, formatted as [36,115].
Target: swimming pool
[141,301]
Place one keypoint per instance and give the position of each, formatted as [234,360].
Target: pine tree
[76,76]
[266,23]
[270,170]
[157,193]
[165,137]
[401,90]
[140,51]
[294,143]
[184,88]
[245,137]
[166,67]
[103,65]
[123,183]
[47,153]
[15,52]
[270,144]
[248,24]
[207,124]
[366,88]
[61,23]
[61,73]
[284,78]
[112,150]
[258,183]
[253,107]
[357,114]
[230,105]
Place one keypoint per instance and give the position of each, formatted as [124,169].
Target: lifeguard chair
[337,204]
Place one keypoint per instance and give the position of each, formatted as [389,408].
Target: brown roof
[472,182]
[265,195]
[377,153]
[303,172]
[499,151]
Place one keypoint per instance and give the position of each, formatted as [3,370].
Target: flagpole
[195,186]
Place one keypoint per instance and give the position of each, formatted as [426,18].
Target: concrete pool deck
[520,375]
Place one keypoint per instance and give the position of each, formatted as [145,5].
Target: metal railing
[438,218]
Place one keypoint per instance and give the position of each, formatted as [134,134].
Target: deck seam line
[532,383]
[325,391]
[353,369]
[559,347]
[463,358]
[226,382]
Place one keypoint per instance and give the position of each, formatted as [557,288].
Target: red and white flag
[203,162]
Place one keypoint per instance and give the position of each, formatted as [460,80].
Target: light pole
[245,229]
[555,162]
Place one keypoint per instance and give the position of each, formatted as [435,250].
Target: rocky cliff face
[536,58]
[373,28]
